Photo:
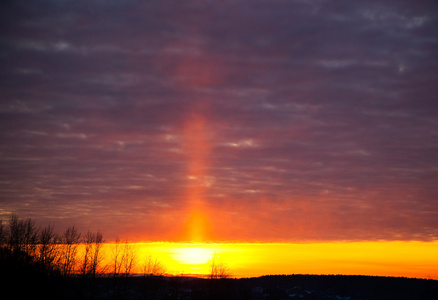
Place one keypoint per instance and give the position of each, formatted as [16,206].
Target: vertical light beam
[198,149]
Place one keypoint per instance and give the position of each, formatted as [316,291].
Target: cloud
[287,120]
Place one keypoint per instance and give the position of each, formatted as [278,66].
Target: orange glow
[194,74]
[196,227]
[401,259]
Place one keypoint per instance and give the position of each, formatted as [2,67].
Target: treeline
[67,265]
[70,265]
[69,253]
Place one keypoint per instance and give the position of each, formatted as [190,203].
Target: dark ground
[267,287]
[282,287]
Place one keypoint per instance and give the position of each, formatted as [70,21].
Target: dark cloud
[288,120]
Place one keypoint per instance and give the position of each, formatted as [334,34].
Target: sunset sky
[267,121]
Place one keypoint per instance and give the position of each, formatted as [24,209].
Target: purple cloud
[290,120]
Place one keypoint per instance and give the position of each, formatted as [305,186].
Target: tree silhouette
[2,233]
[30,239]
[92,255]
[69,250]
[218,269]
[21,261]
[48,251]
[153,267]
[22,235]
[123,258]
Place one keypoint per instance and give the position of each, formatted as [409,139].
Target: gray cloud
[303,120]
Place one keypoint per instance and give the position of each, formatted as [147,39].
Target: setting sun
[192,255]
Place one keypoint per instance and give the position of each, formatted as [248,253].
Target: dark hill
[334,287]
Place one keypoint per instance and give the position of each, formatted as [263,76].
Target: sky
[272,121]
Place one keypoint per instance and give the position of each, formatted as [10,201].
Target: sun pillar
[196,227]
[195,75]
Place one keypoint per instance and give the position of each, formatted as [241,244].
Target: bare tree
[129,258]
[97,255]
[30,237]
[218,269]
[85,267]
[69,249]
[48,253]
[123,258]
[153,267]
[2,233]
[15,236]
[92,256]
[116,258]
[22,235]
